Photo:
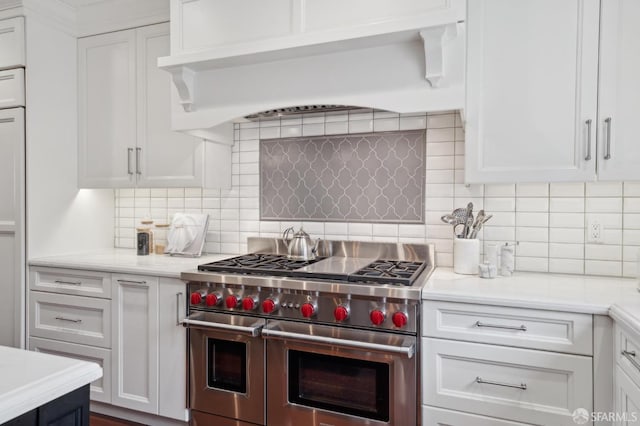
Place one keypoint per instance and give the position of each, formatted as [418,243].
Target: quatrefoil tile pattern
[371,177]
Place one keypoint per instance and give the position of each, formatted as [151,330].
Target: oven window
[344,385]
[227,365]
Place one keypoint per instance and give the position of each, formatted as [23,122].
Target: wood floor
[100,420]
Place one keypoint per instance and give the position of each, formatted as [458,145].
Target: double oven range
[328,342]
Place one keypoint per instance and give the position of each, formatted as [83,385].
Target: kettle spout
[316,247]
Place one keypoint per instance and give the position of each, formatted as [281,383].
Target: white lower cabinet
[627,399]
[101,388]
[172,350]
[492,365]
[126,323]
[432,416]
[135,343]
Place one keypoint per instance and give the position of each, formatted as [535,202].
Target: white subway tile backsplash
[547,220]
[604,189]
[566,189]
[603,205]
[360,126]
[413,123]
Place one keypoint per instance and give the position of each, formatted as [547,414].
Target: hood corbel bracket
[435,40]
[184,79]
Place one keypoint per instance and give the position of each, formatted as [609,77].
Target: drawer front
[12,43]
[627,398]
[100,388]
[74,319]
[525,328]
[432,416]
[628,353]
[12,88]
[71,281]
[522,385]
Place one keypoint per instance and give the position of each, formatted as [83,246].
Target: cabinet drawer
[627,398]
[510,383]
[525,328]
[628,353]
[12,88]
[71,281]
[12,43]
[432,416]
[100,388]
[74,319]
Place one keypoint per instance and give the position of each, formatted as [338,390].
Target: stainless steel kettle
[300,246]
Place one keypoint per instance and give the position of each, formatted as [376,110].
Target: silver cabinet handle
[607,152]
[253,331]
[144,283]
[504,327]
[178,297]
[407,350]
[129,152]
[77,321]
[631,356]
[138,151]
[481,381]
[68,282]
[588,138]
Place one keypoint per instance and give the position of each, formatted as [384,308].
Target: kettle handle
[286,232]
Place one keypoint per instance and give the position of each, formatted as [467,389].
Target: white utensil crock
[466,256]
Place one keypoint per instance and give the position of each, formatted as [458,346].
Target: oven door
[226,366]
[329,376]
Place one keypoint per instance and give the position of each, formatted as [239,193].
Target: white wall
[60,218]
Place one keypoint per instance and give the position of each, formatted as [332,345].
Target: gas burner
[259,264]
[389,272]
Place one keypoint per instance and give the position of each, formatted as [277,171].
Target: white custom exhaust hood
[405,65]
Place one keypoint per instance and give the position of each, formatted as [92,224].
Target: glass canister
[143,240]
[148,225]
[160,237]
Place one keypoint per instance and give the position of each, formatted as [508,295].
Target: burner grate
[257,263]
[389,272]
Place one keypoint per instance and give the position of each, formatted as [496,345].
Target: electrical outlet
[594,231]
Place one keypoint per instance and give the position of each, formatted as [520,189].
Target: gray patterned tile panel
[369,177]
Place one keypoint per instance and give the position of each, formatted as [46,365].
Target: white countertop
[616,297]
[31,379]
[128,262]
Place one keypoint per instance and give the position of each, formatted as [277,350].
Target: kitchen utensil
[467,227]
[300,246]
[469,215]
[449,219]
[477,228]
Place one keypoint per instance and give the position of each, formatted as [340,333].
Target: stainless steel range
[328,341]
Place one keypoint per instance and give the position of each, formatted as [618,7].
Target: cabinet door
[135,342]
[107,110]
[531,90]
[173,350]
[164,158]
[627,400]
[619,96]
[12,43]
[11,224]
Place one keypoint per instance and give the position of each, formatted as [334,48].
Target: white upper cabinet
[619,96]
[12,43]
[199,25]
[531,90]
[164,158]
[107,109]
[125,136]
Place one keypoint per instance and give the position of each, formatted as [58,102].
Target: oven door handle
[253,331]
[408,350]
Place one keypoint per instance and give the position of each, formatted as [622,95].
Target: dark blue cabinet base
[71,409]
